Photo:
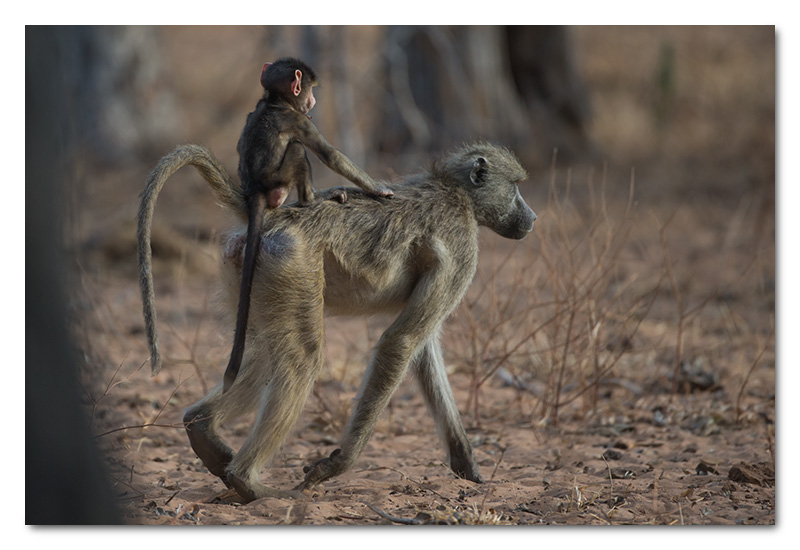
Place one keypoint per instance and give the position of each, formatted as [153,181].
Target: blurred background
[628,95]
[651,153]
[692,109]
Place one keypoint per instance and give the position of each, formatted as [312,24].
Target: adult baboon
[415,255]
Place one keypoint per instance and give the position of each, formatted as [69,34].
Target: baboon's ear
[480,171]
[298,78]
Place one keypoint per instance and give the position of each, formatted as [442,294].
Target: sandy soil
[639,454]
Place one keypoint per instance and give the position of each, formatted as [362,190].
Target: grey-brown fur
[414,255]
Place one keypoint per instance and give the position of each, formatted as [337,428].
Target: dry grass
[561,308]
[560,315]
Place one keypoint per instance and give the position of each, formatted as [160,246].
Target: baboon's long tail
[226,193]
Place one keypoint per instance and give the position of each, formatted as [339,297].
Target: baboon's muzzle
[519,221]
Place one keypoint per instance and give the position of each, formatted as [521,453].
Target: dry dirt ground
[556,444]
[641,455]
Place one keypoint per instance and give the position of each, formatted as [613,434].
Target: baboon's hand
[322,469]
[338,194]
[382,192]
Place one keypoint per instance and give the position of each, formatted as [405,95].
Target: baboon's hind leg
[205,442]
[289,332]
[203,419]
[282,403]
[296,171]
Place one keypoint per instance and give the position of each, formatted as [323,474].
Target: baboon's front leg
[429,369]
[429,304]
[383,376]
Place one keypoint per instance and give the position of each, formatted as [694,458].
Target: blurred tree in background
[116,84]
[511,84]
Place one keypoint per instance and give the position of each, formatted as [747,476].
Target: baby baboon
[273,159]
[415,255]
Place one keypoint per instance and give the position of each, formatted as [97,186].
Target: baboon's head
[491,175]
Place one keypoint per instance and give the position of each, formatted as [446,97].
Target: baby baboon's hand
[383,192]
[338,194]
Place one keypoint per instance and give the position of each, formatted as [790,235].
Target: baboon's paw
[250,490]
[466,468]
[322,469]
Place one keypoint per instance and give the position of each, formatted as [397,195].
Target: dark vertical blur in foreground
[64,479]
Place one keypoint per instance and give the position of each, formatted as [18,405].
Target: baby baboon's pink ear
[298,77]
